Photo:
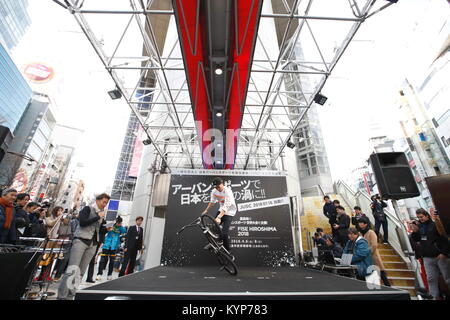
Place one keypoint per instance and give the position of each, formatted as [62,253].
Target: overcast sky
[364,84]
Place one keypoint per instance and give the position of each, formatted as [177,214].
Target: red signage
[412,164]
[137,154]
[38,72]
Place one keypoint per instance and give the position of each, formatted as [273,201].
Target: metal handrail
[407,254]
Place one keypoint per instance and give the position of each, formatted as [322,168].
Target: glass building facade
[15,93]
[124,184]
[14,21]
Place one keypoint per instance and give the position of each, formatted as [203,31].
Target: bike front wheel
[213,228]
[227,263]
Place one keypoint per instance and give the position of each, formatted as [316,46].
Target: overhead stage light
[146,142]
[218,71]
[320,99]
[115,94]
[290,144]
[219,114]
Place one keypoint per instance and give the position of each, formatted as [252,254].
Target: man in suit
[133,244]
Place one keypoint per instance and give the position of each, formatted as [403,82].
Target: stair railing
[397,234]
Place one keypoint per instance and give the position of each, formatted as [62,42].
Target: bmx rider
[227,210]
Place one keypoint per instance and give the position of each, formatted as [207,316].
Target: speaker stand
[408,251]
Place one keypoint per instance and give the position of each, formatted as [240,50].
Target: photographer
[64,233]
[377,207]
[22,218]
[52,223]
[37,227]
[434,249]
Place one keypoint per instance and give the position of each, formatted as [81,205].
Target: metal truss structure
[298,45]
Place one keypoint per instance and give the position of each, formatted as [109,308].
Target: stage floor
[251,283]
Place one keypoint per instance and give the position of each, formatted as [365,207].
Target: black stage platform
[210,283]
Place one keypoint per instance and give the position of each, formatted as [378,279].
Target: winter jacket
[343,220]
[329,210]
[22,219]
[362,256]
[372,240]
[355,220]
[112,239]
[430,242]
[337,250]
[7,235]
[52,225]
[378,210]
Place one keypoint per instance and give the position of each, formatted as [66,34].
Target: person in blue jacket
[362,257]
[110,247]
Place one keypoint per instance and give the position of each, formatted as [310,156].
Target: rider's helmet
[217,181]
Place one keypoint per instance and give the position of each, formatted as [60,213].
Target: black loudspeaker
[394,177]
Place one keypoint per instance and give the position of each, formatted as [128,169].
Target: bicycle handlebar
[194,223]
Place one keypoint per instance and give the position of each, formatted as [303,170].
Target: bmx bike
[213,234]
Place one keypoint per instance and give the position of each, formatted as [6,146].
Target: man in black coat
[133,244]
[329,211]
[377,207]
[342,224]
[434,248]
[22,218]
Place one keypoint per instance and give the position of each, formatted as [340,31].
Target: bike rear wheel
[227,263]
[213,228]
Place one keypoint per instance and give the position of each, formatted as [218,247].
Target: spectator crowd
[80,241]
[428,238]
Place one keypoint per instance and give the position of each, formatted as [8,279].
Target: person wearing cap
[227,209]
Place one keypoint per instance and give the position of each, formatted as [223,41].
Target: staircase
[313,217]
[398,273]
[396,269]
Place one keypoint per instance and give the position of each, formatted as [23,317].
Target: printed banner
[261,232]
[263,204]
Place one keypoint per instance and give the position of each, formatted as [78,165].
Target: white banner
[263,204]
[209,172]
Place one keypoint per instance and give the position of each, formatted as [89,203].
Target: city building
[420,131]
[15,93]
[65,176]
[14,21]
[32,140]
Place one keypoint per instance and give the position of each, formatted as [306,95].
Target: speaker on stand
[395,181]
[394,177]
